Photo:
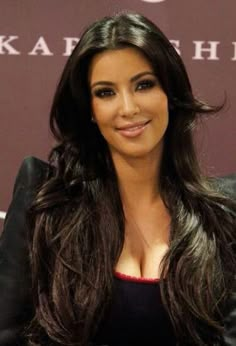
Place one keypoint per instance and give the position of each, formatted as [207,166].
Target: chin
[137,154]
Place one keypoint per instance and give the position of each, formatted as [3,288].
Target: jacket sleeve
[16,307]
[230,322]
[227,185]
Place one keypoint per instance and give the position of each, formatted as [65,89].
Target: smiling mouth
[133,127]
[133,130]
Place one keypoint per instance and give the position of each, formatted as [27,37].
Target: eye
[145,84]
[104,92]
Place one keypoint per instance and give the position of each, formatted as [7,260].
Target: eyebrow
[133,79]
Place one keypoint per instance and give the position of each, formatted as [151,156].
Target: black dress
[136,315]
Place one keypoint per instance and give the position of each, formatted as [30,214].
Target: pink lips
[133,130]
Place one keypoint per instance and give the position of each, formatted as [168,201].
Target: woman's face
[128,104]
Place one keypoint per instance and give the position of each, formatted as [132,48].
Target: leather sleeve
[230,322]
[15,279]
[227,185]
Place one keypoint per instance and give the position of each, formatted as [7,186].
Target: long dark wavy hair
[78,218]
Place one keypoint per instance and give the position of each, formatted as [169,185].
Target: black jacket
[15,296]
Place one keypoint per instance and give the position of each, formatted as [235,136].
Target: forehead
[118,63]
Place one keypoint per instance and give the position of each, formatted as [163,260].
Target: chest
[146,243]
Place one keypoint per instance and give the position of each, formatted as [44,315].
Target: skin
[125,92]
[128,100]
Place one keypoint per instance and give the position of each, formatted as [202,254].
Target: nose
[128,106]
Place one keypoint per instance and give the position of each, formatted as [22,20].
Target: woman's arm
[16,307]
[228,186]
[230,322]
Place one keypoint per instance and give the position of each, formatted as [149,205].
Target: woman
[128,242]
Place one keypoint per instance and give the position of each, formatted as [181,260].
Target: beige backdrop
[36,38]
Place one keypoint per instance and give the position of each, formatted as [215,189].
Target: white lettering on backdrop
[70,45]
[41,47]
[2,214]
[234,57]
[211,49]
[5,46]
[176,45]
[202,50]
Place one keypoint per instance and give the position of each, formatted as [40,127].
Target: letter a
[41,46]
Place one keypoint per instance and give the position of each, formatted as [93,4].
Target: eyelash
[104,93]
[146,84]
[107,92]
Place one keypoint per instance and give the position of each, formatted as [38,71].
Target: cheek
[161,115]
[159,106]
[156,101]
[164,111]
[103,112]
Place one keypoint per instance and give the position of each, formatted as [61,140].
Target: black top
[136,315]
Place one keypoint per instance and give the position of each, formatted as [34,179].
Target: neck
[138,180]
